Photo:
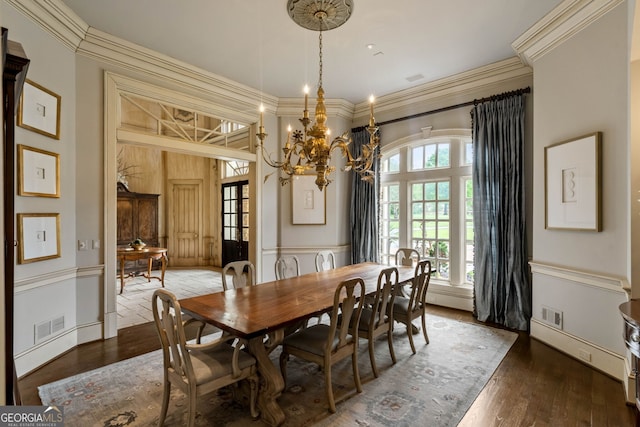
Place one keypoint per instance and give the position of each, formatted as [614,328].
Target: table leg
[121,274]
[163,264]
[271,385]
[149,264]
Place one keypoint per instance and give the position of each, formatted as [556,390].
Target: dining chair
[327,344]
[377,319]
[325,260]
[406,309]
[197,369]
[407,257]
[242,274]
[287,266]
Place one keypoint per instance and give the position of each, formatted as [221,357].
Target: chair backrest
[418,297]
[325,260]
[287,266]
[242,274]
[168,320]
[384,297]
[345,316]
[407,256]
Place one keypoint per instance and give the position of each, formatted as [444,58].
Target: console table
[148,253]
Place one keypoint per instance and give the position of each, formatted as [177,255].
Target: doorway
[185,225]
[235,221]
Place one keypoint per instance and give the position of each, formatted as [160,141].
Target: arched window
[426,201]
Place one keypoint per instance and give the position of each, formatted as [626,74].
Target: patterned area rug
[434,387]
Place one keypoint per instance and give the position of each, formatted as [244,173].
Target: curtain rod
[453,107]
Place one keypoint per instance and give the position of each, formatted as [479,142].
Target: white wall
[582,86]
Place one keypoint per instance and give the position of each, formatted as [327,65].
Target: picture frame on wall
[39,110]
[307,200]
[38,172]
[573,184]
[38,237]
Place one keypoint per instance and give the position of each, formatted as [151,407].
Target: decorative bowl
[138,246]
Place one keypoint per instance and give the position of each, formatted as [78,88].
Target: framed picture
[38,172]
[307,201]
[573,187]
[39,237]
[39,110]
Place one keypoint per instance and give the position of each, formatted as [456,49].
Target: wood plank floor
[534,385]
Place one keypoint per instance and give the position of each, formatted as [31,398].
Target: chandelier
[310,149]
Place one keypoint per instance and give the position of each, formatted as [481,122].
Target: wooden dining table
[259,314]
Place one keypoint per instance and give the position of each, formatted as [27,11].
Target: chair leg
[253,383]
[370,338]
[390,341]
[356,371]
[329,387]
[165,401]
[284,357]
[424,328]
[410,334]
[192,396]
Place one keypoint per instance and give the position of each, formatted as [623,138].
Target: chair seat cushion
[401,305]
[216,363]
[312,340]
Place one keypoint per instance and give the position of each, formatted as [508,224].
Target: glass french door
[235,221]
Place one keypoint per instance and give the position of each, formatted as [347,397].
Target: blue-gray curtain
[502,284]
[364,205]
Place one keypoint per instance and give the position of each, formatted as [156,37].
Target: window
[235,168]
[426,203]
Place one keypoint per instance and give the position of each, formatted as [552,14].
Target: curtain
[502,290]
[364,205]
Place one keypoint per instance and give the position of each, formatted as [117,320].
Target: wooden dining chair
[406,309]
[197,369]
[407,257]
[377,319]
[327,344]
[242,273]
[325,260]
[287,266]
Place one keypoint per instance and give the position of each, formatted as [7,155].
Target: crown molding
[559,25]
[465,84]
[56,18]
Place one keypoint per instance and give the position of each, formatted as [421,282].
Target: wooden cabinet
[137,218]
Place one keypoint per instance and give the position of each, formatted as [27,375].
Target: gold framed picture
[38,172]
[39,237]
[39,110]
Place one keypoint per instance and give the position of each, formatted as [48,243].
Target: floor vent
[552,317]
[46,329]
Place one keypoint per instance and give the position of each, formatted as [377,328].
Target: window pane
[394,193]
[394,210]
[443,229]
[443,190]
[430,191]
[468,153]
[430,156]
[416,158]
[394,163]
[430,210]
[468,188]
[469,209]
[417,210]
[416,192]
[416,229]
[443,210]
[430,229]
[443,155]
[443,250]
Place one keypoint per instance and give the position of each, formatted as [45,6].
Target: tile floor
[134,304]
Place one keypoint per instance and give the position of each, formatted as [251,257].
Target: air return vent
[44,330]
[552,317]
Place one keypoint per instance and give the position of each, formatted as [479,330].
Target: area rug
[434,387]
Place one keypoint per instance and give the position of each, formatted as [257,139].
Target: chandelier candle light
[309,149]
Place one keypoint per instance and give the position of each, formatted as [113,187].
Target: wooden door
[235,221]
[185,223]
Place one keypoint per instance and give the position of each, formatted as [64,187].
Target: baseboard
[46,351]
[458,297]
[599,358]
[629,383]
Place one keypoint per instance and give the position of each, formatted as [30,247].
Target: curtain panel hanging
[502,290]
[364,205]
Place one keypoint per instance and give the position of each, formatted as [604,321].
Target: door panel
[186,233]
[235,221]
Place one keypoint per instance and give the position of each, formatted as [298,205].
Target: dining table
[260,314]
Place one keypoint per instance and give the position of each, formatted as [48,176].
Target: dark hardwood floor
[534,385]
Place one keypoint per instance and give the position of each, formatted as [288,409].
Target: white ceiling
[254,42]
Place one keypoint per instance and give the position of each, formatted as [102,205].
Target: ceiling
[254,42]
